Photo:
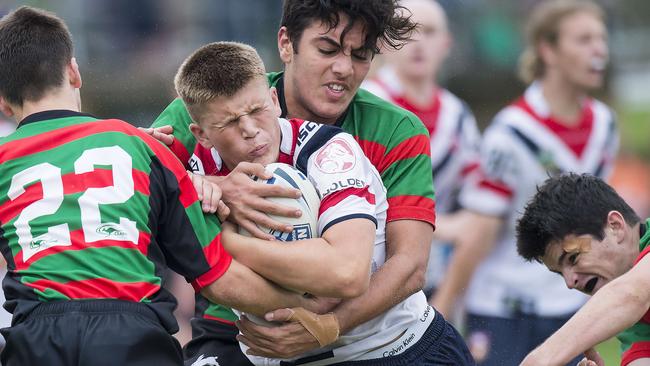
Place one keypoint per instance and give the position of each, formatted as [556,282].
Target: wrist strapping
[325,328]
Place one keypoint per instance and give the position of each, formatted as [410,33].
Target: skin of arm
[596,321]
[400,276]
[342,256]
[241,288]
[472,247]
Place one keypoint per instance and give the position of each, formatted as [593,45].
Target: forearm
[402,274]
[242,289]
[613,308]
[341,257]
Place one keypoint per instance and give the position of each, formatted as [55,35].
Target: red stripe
[99,288]
[220,320]
[181,152]
[79,243]
[411,208]
[64,135]
[469,168]
[373,150]
[636,351]
[409,148]
[218,259]
[336,197]
[496,187]
[72,183]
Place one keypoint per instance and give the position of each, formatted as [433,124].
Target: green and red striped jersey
[96,209]
[635,340]
[394,139]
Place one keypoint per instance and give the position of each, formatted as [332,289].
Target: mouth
[591,285]
[259,150]
[336,87]
[597,64]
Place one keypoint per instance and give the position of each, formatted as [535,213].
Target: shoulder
[372,110]
[376,88]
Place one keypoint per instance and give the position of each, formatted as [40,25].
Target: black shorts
[213,339]
[90,332]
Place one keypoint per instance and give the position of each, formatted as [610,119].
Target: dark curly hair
[568,204]
[384,20]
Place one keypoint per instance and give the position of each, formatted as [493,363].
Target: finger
[255,169]
[593,356]
[208,205]
[275,190]
[255,349]
[197,182]
[273,208]
[166,129]
[254,230]
[265,221]
[223,211]
[148,131]
[280,315]
[252,330]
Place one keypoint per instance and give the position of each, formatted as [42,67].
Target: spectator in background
[408,79]
[513,305]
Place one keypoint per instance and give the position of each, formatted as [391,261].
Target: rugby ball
[305,226]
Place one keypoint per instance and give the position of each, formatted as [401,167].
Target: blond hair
[543,26]
[218,69]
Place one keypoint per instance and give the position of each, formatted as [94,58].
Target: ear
[616,226]
[73,73]
[285,47]
[547,53]
[276,102]
[5,108]
[200,135]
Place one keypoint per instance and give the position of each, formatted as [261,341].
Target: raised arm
[615,307]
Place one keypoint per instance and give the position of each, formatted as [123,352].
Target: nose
[570,278]
[342,66]
[248,126]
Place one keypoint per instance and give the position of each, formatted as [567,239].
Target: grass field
[610,352]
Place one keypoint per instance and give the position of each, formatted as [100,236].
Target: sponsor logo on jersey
[300,232]
[335,157]
[343,184]
[110,230]
[43,242]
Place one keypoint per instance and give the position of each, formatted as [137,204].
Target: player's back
[75,210]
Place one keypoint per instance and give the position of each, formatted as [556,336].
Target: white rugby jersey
[349,187]
[521,148]
[454,141]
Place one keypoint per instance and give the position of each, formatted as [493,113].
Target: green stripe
[113,263]
[206,226]
[400,179]
[177,116]
[221,312]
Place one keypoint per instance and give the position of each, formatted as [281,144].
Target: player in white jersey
[408,79]
[554,127]
[241,125]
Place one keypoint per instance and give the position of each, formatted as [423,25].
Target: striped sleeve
[190,238]
[176,115]
[405,169]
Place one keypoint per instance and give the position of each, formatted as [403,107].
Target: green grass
[610,351]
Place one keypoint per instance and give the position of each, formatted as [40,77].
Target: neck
[419,90]
[60,100]
[564,99]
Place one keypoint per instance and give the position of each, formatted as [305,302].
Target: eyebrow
[337,44]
